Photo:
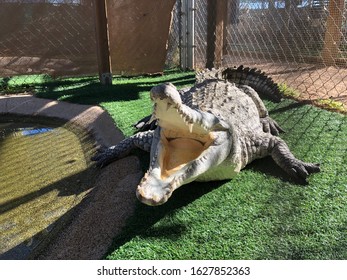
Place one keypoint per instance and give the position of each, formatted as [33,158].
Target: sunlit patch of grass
[332,104]
[326,103]
[288,91]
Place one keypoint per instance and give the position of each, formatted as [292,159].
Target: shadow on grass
[144,217]
[291,106]
[89,91]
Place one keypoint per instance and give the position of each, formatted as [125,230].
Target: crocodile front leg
[146,123]
[142,140]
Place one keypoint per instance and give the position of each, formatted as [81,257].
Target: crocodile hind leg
[269,125]
[142,140]
[266,144]
[296,168]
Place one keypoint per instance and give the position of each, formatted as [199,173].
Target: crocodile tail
[254,78]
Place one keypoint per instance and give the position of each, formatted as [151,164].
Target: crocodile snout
[153,196]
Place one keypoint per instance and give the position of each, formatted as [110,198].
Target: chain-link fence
[42,40]
[173,51]
[302,44]
[56,38]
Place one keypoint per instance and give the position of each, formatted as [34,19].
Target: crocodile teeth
[190,126]
[187,119]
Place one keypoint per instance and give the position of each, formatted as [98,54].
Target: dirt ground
[310,81]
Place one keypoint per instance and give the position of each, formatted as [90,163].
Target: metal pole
[183,34]
[190,34]
[333,32]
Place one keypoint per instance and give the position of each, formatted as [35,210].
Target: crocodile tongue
[179,152]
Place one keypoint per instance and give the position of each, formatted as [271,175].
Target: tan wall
[38,38]
[138,35]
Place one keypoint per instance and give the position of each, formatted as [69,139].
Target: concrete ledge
[103,214]
[92,118]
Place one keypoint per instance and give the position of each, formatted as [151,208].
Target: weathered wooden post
[102,42]
[216,15]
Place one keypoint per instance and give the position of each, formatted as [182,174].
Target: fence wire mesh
[301,44]
[40,40]
[173,46]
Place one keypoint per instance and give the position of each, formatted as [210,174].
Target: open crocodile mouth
[176,153]
[180,148]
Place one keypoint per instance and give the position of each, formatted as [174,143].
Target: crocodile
[207,132]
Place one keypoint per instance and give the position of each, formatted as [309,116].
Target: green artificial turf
[261,214]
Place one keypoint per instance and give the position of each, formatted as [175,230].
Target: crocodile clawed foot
[294,167]
[300,170]
[103,157]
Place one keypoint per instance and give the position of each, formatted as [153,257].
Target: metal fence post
[187,11]
[190,34]
[183,34]
[102,42]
